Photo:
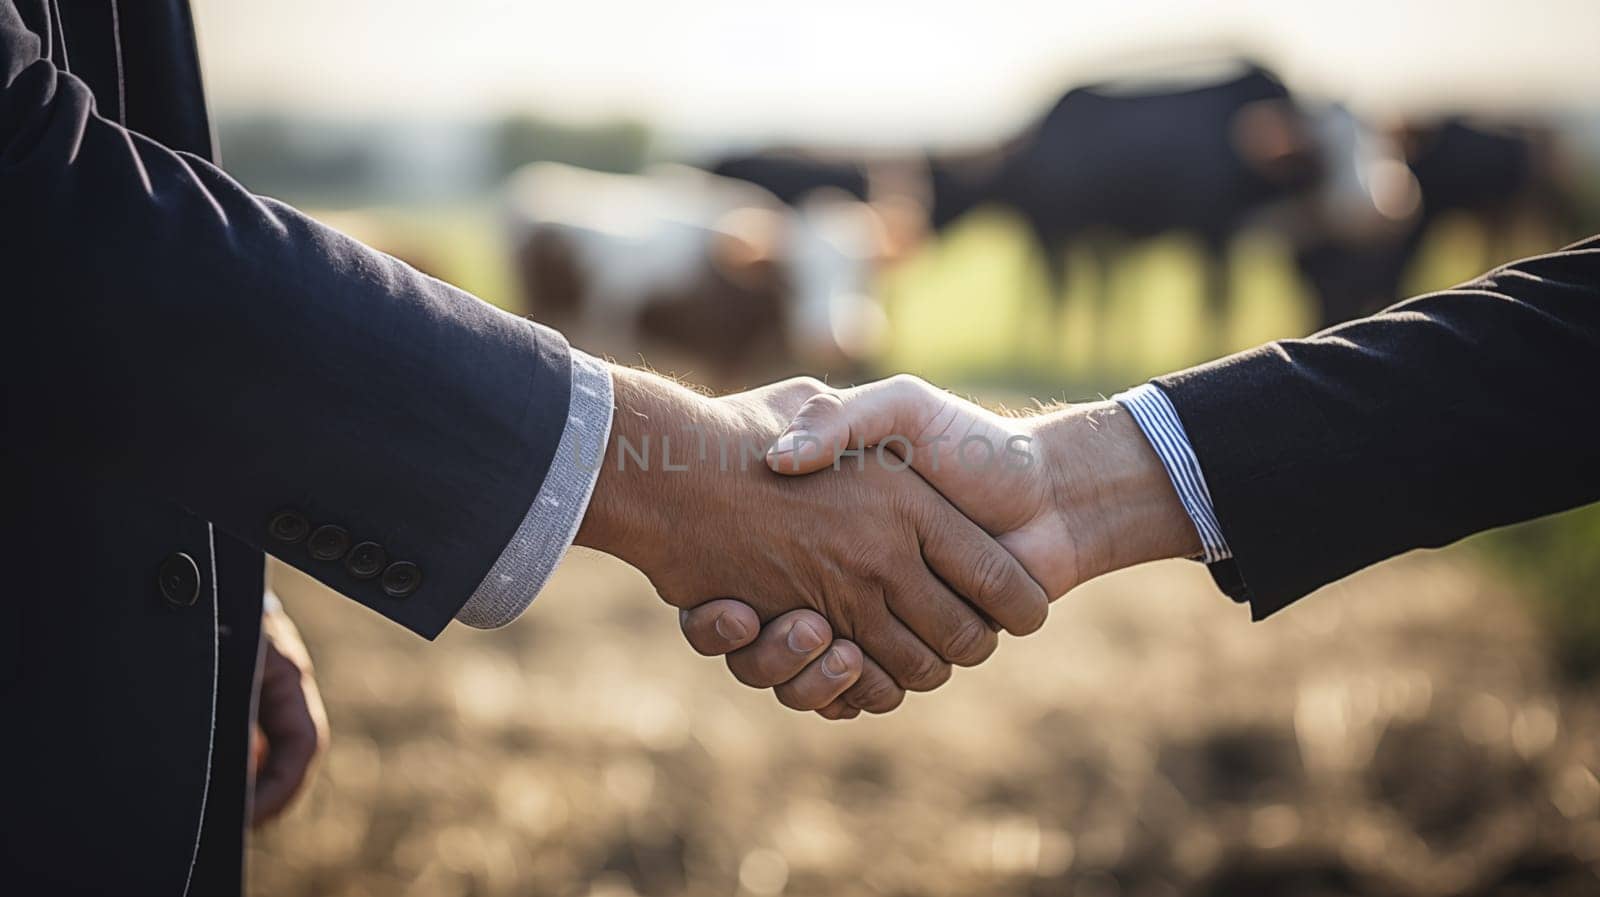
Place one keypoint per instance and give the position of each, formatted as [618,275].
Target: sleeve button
[328,543]
[401,578]
[366,560]
[288,527]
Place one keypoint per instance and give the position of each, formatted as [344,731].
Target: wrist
[1111,490]
[624,508]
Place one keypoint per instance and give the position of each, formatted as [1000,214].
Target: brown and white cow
[697,273]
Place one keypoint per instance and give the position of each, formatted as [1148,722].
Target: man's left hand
[291,728]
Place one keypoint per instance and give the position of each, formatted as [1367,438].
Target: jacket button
[366,560]
[401,579]
[179,578]
[288,526]
[328,543]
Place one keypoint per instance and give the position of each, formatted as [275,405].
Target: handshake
[843,547]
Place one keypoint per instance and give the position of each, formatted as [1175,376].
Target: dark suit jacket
[1442,416]
[184,362]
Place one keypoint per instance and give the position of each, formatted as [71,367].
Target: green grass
[976,307]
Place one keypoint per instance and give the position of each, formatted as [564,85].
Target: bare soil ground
[1398,734]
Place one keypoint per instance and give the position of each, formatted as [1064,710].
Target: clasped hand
[875,562]
[866,546]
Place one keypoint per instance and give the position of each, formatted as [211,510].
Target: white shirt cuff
[552,522]
[1153,411]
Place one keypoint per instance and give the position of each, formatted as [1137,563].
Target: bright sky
[866,69]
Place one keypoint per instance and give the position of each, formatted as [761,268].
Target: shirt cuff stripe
[1155,415]
[544,536]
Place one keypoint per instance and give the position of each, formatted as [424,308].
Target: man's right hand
[1072,493]
[684,495]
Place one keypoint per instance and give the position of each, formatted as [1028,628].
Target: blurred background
[1014,200]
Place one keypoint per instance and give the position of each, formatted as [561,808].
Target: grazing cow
[1502,177]
[696,271]
[1122,161]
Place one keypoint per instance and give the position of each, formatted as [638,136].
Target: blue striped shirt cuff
[1159,421]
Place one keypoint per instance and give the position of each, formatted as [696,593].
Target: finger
[283,772]
[719,626]
[913,665]
[292,739]
[291,721]
[985,574]
[824,679]
[876,691]
[782,649]
[942,620]
[839,709]
[867,415]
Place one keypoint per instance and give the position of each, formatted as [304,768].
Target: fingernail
[804,638]
[787,443]
[833,665]
[729,628]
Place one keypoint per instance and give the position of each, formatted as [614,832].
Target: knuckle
[775,665]
[1038,608]
[753,669]
[875,694]
[925,673]
[702,644]
[937,524]
[971,643]
[876,570]
[806,384]
[1027,605]
[674,595]
[838,709]
[1007,593]
[909,383]
[915,390]
[795,698]
[992,577]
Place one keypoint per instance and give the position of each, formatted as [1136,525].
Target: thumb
[830,423]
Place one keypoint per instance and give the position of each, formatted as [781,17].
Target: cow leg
[552,279]
[1106,253]
[1218,289]
[1056,283]
[1054,251]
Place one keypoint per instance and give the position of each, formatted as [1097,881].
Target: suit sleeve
[221,350]
[1442,416]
